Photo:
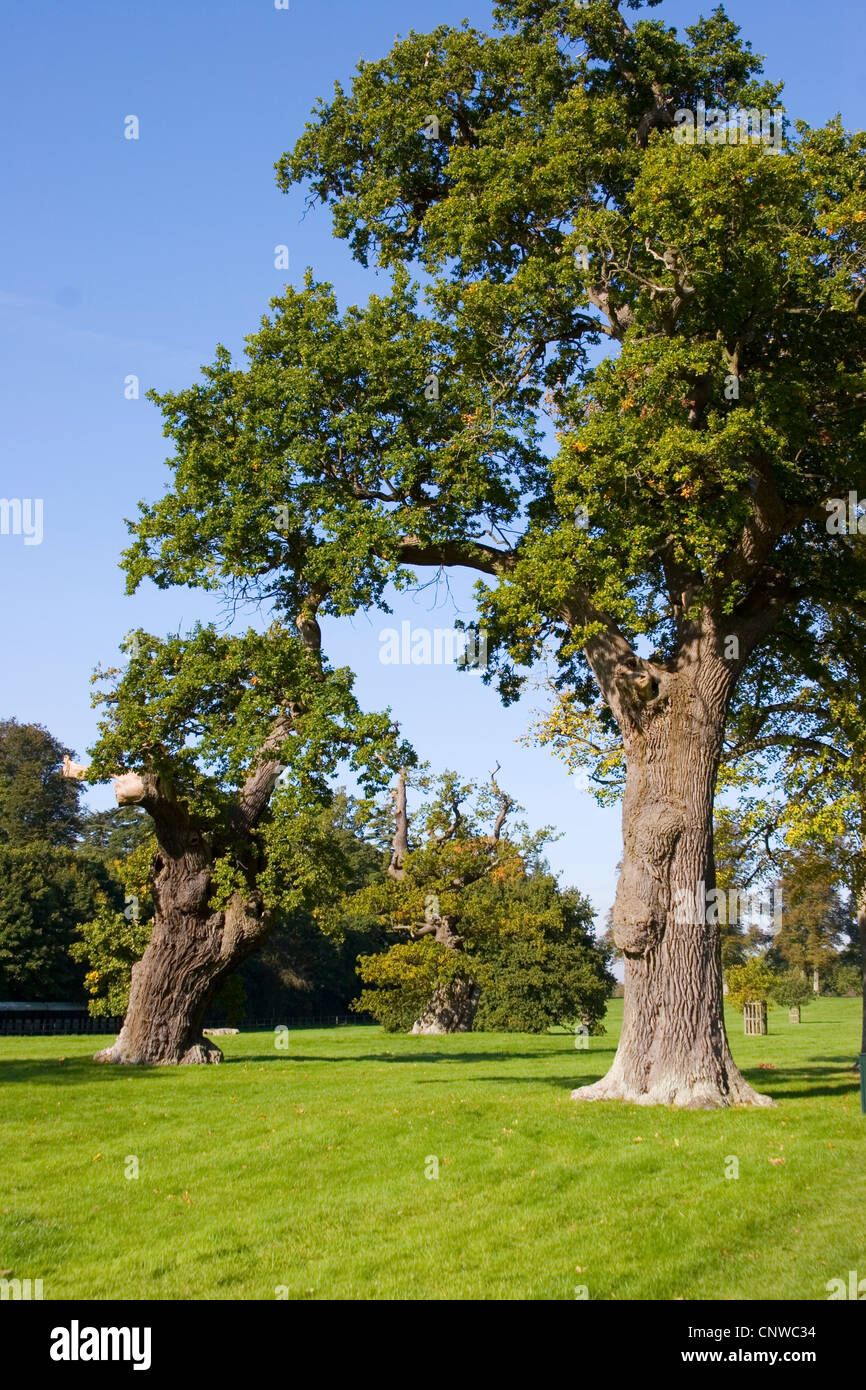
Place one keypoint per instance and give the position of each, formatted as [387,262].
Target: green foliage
[700,261]
[554,214]
[813,917]
[586,739]
[37,804]
[749,983]
[792,990]
[536,984]
[116,832]
[845,979]
[197,712]
[111,941]
[799,731]
[46,895]
[525,941]
[400,983]
[298,970]
[110,944]
[301,971]
[199,709]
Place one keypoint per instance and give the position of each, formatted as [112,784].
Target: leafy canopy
[553,214]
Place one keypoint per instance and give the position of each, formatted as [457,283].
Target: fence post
[755,1018]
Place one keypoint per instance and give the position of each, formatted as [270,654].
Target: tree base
[199,1054]
[451,1010]
[675,1091]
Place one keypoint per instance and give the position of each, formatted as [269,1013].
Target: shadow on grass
[828,1079]
[387,1057]
[71,1071]
[76,1070]
[562,1083]
[816,1081]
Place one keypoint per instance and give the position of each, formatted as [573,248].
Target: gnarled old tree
[538,176]
[493,939]
[429,892]
[199,731]
[454,1005]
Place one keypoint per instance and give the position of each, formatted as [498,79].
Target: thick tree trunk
[454,1006]
[191,952]
[451,1010]
[673,1049]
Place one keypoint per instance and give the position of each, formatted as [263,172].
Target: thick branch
[400,839]
[468,554]
[505,804]
[258,788]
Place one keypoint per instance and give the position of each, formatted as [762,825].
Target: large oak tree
[229,743]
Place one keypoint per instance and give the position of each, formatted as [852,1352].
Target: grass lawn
[305,1171]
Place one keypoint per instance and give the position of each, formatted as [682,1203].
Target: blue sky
[125,257]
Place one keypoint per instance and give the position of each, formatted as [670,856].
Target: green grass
[306,1169]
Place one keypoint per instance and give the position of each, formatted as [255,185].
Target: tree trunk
[451,1010]
[191,952]
[673,1049]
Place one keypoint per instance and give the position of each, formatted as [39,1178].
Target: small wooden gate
[755,1017]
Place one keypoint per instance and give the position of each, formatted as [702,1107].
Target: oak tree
[229,743]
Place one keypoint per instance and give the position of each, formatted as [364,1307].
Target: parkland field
[360,1164]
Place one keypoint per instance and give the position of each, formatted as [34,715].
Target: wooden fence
[45,1025]
[755,1018]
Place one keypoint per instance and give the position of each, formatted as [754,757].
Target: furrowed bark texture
[451,1010]
[192,948]
[673,1049]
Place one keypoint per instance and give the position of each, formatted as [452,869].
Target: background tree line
[76,908]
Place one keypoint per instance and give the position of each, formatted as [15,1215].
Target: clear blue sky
[122,257]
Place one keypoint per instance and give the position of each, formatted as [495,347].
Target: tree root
[199,1054]
[679,1092]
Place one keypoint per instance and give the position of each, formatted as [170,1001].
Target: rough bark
[400,838]
[451,1010]
[453,1007]
[191,952]
[673,1049]
[192,948]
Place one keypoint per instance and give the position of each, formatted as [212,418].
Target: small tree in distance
[492,936]
[750,983]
